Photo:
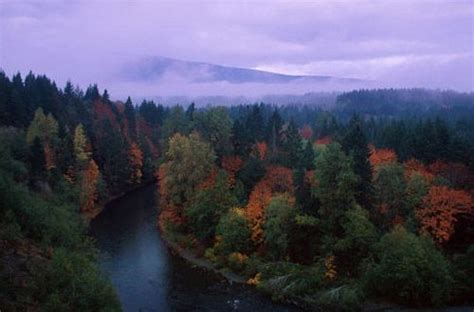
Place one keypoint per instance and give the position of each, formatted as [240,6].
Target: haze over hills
[159,68]
[167,77]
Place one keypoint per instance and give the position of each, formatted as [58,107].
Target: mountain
[163,68]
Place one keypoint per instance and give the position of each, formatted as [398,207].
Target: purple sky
[397,43]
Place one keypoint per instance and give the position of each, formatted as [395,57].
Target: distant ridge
[164,68]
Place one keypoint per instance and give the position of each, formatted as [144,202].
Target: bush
[71,281]
[464,274]
[409,269]
[234,233]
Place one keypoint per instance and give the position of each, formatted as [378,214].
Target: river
[149,277]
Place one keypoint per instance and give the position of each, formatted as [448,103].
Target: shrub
[409,269]
[234,232]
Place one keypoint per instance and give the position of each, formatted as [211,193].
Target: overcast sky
[400,43]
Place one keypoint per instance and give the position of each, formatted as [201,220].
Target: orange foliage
[70,175]
[262,149]
[381,156]
[169,214]
[210,181]
[324,140]
[310,178]
[103,111]
[276,180]
[143,127]
[49,157]
[259,199]
[413,165]
[135,158]
[441,206]
[231,164]
[306,132]
[280,179]
[152,147]
[90,179]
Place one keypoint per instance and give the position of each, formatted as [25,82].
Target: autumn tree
[207,205]
[440,210]
[258,200]
[135,157]
[381,156]
[88,188]
[81,147]
[189,160]
[306,132]
[44,127]
[232,164]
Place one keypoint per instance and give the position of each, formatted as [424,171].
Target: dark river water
[149,277]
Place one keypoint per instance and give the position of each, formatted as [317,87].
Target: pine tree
[355,145]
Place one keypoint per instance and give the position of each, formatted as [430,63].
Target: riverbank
[99,207]
[231,277]
[190,255]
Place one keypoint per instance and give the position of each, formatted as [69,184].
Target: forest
[366,201]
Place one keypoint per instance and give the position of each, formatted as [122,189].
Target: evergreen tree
[292,146]
[355,145]
[37,159]
[129,113]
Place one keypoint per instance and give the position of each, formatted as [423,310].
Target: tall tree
[335,187]
[355,144]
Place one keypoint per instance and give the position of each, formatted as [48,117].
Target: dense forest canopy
[371,198]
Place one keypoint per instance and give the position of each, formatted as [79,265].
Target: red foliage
[259,199]
[306,132]
[324,140]
[169,214]
[441,206]
[381,156]
[413,165]
[262,149]
[89,183]
[276,180]
[143,127]
[231,164]
[135,158]
[210,181]
[49,157]
[103,111]
[280,179]
[310,177]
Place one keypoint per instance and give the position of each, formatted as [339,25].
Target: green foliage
[340,298]
[234,232]
[252,171]
[186,154]
[464,271]
[279,220]
[355,144]
[71,281]
[359,236]
[207,206]
[409,269]
[285,280]
[44,127]
[215,126]
[336,185]
[390,190]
